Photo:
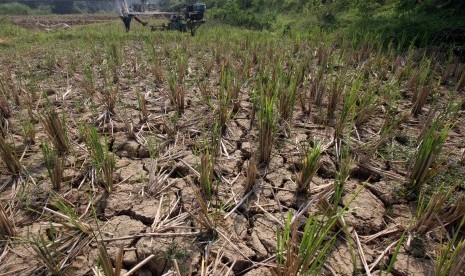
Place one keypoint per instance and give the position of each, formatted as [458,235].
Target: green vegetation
[431,144]
[267,128]
[103,161]
[47,253]
[304,255]
[400,21]
[54,164]
[54,6]
[22,9]
[310,165]
[449,260]
[168,141]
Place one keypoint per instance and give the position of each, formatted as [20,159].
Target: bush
[232,14]
[15,9]
[22,9]
[43,9]
[61,7]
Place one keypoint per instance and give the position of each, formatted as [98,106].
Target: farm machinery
[191,20]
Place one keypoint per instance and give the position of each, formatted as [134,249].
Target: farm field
[233,152]
[30,21]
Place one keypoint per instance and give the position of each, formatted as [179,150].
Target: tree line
[66,6]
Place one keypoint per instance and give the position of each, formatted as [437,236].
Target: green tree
[64,7]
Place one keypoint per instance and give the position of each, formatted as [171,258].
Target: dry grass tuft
[390,125]
[109,97]
[102,159]
[142,101]
[427,213]
[158,73]
[5,113]
[461,82]
[454,212]
[457,259]
[48,254]
[55,166]
[28,131]
[9,158]
[206,173]
[213,266]
[178,94]
[287,96]
[202,216]
[235,95]
[5,109]
[448,71]
[156,182]
[433,213]
[428,150]
[310,165]
[266,129]
[7,225]
[105,260]
[88,82]
[420,100]
[450,258]
[317,88]
[251,174]
[334,95]
[367,107]
[56,130]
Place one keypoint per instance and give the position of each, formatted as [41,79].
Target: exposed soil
[245,237]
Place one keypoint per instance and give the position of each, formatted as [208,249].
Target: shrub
[15,9]
[22,9]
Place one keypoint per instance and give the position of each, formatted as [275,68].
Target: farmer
[126,16]
[127,20]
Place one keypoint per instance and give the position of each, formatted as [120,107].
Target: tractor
[191,19]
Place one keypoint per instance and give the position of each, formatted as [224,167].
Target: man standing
[126,16]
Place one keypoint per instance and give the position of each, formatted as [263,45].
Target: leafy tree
[64,7]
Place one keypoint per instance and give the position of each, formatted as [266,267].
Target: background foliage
[398,21]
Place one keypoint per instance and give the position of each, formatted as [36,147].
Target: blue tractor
[192,19]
